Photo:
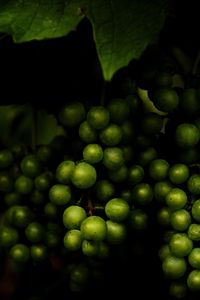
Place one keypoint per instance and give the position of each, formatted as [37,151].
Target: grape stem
[196,63]
[34,129]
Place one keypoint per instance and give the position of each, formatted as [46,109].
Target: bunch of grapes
[119,171]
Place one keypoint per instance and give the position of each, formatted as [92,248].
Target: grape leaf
[122,29]
[16,126]
[47,128]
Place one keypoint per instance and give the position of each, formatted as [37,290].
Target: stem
[103,89]
[196,63]
[34,129]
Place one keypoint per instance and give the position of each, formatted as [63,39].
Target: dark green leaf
[122,29]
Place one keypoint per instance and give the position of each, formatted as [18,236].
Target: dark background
[51,72]
[56,70]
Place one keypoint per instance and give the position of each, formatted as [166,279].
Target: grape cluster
[118,171]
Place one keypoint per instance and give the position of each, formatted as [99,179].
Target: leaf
[47,128]
[16,126]
[28,20]
[122,29]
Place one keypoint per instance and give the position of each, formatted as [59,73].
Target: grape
[20,253]
[117,175]
[180,245]
[60,194]
[94,228]
[84,175]
[64,171]
[34,232]
[165,99]
[116,232]
[93,153]
[117,209]
[186,135]
[71,114]
[30,166]
[98,117]
[174,267]
[193,280]
[73,216]
[38,252]
[176,199]
[73,240]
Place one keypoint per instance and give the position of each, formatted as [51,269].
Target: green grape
[151,123]
[80,273]
[111,135]
[146,156]
[117,209]
[196,210]
[73,240]
[194,258]
[104,190]
[87,133]
[24,185]
[71,114]
[193,184]
[178,173]
[163,216]
[178,289]
[116,232]
[138,219]
[9,236]
[189,102]
[174,267]
[94,228]
[180,219]
[60,194]
[128,132]
[6,182]
[6,158]
[163,251]
[142,193]
[20,216]
[161,189]
[163,79]
[176,199]
[44,154]
[119,175]
[38,252]
[165,99]
[90,248]
[51,211]
[64,171]
[186,135]
[193,280]
[34,232]
[73,216]
[12,198]
[20,253]
[43,181]
[194,232]
[113,158]
[92,153]
[30,166]
[180,245]
[98,117]
[135,174]
[158,169]
[84,175]
[119,110]
[37,197]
